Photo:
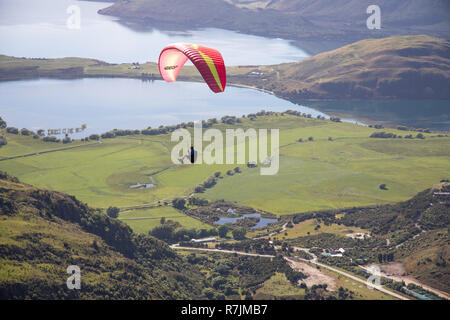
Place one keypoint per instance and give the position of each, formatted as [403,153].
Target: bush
[108,135]
[2,123]
[179,203]
[223,230]
[3,141]
[199,189]
[237,170]
[94,137]
[383,187]
[25,132]
[420,136]
[383,135]
[113,212]
[50,139]
[66,140]
[12,130]
[239,234]
[230,173]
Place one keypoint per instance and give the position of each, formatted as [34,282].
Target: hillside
[296,20]
[43,232]
[408,67]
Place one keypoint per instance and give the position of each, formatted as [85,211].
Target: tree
[163,220]
[229,172]
[2,123]
[163,232]
[239,234]
[179,203]
[420,136]
[113,212]
[25,132]
[199,189]
[12,130]
[223,230]
[94,137]
[237,170]
[3,141]
[310,139]
[217,174]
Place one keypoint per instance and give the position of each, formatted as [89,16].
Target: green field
[143,220]
[313,175]
[279,286]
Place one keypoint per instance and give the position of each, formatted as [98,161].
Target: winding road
[313,261]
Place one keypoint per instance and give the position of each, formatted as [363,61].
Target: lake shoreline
[18,69]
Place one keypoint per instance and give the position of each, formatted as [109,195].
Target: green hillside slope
[43,232]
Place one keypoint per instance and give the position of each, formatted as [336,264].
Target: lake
[425,114]
[108,103]
[262,223]
[38,29]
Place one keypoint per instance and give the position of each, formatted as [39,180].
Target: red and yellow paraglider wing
[208,61]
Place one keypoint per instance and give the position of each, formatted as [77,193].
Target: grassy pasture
[151,218]
[313,175]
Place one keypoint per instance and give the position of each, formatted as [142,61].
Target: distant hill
[43,232]
[291,19]
[401,67]
[407,67]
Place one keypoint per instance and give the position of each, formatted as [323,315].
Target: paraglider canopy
[208,61]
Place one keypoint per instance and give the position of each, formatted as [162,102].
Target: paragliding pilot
[192,155]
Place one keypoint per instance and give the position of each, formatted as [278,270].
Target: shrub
[383,135]
[199,189]
[113,212]
[420,136]
[25,132]
[3,141]
[179,203]
[50,139]
[67,140]
[12,130]
[94,137]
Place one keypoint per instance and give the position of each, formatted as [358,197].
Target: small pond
[262,223]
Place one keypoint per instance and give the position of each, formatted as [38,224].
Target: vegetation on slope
[43,232]
[406,67]
[299,19]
